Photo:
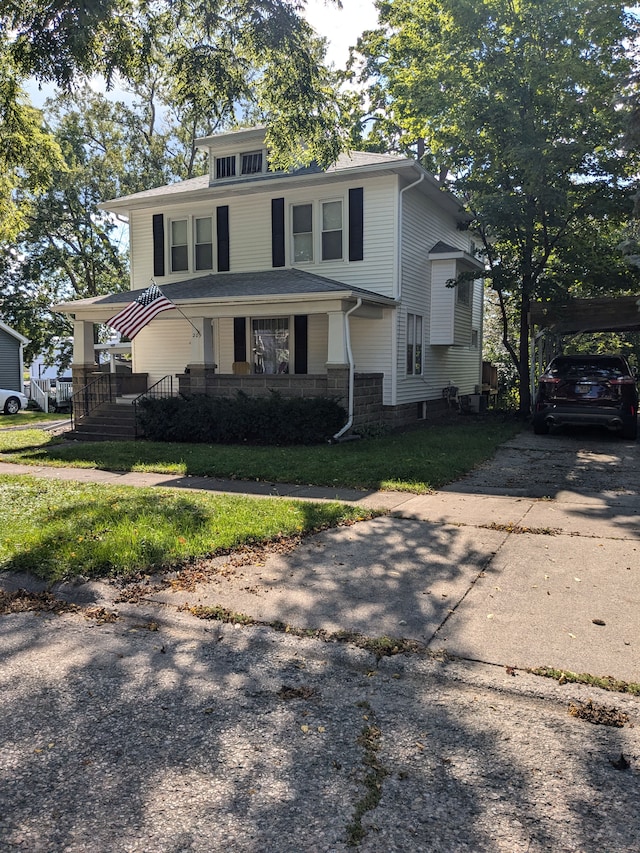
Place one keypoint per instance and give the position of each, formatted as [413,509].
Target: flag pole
[197,332]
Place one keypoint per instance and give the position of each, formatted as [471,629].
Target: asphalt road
[162,732]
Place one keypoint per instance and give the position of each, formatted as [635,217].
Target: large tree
[523,106]
[218,53]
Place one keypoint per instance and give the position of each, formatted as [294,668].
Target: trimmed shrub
[271,420]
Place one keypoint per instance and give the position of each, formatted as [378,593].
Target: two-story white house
[310,282]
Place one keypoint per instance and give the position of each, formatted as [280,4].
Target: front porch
[104,403]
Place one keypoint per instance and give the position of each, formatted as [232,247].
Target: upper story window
[203,228]
[251,163]
[179,245]
[302,217]
[331,230]
[226,167]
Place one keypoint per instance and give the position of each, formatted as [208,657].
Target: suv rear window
[574,368]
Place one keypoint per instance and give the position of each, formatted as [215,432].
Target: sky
[340,26]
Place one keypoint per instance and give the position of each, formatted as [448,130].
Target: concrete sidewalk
[513,579]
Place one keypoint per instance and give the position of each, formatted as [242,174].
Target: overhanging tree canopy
[525,105]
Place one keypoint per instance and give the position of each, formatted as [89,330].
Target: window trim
[211,243]
[317,209]
[322,230]
[293,233]
[172,245]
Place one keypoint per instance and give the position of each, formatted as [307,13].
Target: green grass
[57,529]
[416,461]
[25,417]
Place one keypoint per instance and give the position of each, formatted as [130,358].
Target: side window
[203,229]
[414,345]
[302,220]
[179,246]
[331,230]
[463,293]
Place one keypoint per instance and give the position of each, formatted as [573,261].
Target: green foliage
[272,420]
[56,529]
[526,106]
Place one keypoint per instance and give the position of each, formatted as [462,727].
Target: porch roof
[270,285]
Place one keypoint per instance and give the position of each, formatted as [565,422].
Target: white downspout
[347,335]
[401,206]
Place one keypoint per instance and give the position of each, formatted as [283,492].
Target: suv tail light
[623,380]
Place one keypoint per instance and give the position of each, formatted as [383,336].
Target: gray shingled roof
[352,160]
[276,283]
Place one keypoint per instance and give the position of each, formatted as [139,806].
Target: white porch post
[202,342]
[337,352]
[83,352]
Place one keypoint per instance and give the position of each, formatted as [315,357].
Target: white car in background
[12,401]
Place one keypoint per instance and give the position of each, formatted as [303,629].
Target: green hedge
[270,420]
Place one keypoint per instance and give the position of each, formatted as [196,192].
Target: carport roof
[606,314]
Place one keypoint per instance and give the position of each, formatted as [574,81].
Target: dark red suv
[594,390]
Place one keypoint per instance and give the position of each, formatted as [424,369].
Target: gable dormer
[236,155]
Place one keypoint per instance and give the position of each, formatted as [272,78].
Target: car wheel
[540,427]
[630,430]
[12,406]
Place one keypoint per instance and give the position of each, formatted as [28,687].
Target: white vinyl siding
[250,234]
[162,348]
[317,335]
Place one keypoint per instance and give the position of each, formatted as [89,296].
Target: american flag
[137,314]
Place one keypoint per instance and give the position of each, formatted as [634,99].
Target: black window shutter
[239,339]
[300,338]
[277,232]
[158,244]
[356,224]
[222,232]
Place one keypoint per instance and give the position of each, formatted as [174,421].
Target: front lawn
[26,417]
[416,461]
[56,529]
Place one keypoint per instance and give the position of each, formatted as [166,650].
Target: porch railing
[84,401]
[39,391]
[160,390]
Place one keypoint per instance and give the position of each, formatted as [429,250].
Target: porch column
[202,343]
[83,341]
[84,364]
[337,354]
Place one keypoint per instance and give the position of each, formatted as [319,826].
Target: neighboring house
[311,282]
[12,346]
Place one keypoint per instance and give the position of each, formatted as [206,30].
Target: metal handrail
[160,390]
[88,398]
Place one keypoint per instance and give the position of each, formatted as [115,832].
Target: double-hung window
[179,245]
[302,217]
[414,345]
[203,230]
[331,230]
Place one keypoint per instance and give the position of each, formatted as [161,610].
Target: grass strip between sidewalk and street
[55,529]
[416,461]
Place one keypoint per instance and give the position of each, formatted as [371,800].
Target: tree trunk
[523,359]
